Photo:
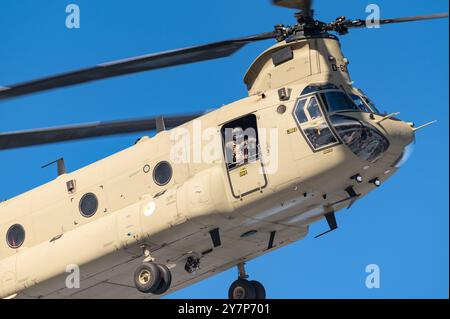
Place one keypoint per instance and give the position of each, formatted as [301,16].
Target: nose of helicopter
[401,138]
[373,138]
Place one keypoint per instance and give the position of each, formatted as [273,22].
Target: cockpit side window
[313,109]
[313,124]
[300,112]
[336,101]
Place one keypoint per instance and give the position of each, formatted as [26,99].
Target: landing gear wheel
[166,280]
[242,289]
[259,289]
[147,277]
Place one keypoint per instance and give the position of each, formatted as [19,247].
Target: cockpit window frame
[368,110]
[367,101]
[299,124]
[325,102]
[327,116]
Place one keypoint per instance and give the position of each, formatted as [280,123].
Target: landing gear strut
[152,278]
[245,289]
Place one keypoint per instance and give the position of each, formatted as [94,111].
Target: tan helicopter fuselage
[258,207]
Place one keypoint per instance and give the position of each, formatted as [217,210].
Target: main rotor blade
[133,65]
[81,131]
[304,5]
[414,18]
[340,24]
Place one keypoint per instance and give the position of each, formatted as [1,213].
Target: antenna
[160,124]
[61,167]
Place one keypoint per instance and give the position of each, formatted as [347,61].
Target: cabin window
[88,205]
[162,174]
[241,141]
[15,236]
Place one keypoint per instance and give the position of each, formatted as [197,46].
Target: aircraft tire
[166,280]
[147,277]
[259,289]
[242,289]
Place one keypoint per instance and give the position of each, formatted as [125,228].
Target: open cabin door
[242,156]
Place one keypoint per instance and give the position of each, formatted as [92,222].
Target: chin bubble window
[162,174]
[364,141]
[15,236]
[88,205]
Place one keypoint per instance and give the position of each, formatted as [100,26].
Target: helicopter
[150,220]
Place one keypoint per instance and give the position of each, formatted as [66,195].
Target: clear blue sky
[402,226]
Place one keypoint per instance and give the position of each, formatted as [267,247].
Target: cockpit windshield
[368,102]
[371,104]
[359,102]
[318,103]
[336,101]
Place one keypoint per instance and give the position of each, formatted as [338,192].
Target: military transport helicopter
[150,220]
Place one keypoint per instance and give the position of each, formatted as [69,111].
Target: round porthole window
[162,173]
[88,205]
[15,236]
